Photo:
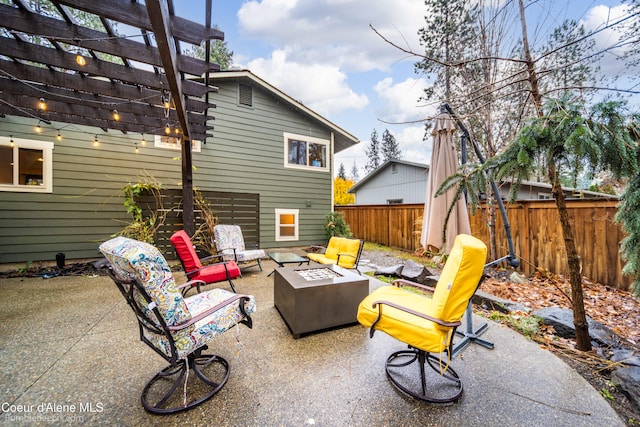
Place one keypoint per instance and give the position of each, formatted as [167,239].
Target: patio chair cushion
[456,285]
[206,329]
[408,328]
[193,266]
[185,250]
[229,237]
[218,272]
[132,258]
[340,250]
[135,259]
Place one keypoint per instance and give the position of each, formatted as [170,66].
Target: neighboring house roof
[577,193]
[381,168]
[343,139]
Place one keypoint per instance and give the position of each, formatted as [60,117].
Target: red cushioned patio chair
[194,268]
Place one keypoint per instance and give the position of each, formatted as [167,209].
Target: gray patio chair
[230,243]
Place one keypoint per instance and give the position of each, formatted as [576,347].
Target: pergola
[116,65]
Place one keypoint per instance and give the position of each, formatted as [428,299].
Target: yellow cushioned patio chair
[425,319]
[342,251]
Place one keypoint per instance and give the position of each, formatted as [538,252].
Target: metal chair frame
[177,372]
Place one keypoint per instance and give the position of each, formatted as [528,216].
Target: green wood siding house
[264,143]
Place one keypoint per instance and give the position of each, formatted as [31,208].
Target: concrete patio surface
[71,353]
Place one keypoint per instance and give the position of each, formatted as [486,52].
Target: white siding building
[393,182]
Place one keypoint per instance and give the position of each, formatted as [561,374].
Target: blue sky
[324,54]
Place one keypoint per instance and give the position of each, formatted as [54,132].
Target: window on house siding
[306,152]
[26,165]
[286,225]
[174,143]
[245,95]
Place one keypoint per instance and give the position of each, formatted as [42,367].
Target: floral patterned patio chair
[177,328]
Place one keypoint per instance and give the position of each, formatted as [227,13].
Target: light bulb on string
[116,116]
[80,60]
[11,143]
[137,151]
[42,104]
[143,141]
[167,129]
[95,141]
[59,137]
[38,127]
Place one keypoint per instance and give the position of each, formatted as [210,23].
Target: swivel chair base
[186,385]
[429,389]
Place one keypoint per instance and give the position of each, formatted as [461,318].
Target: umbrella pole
[470,335]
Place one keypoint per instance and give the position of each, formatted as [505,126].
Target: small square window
[286,225]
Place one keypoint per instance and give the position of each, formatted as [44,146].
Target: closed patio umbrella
[444,163]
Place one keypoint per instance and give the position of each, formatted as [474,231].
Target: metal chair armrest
[211,310]
[404,282]
[191,283]
[380,303]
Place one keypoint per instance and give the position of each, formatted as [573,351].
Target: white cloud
[597,18]
[323,88]
[400,100]
[414,149]
[336,31]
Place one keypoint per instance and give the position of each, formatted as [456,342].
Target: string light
[38,127]
[80,60]
[167,129]
[95,141]
[59,137]
[11,143]
[177,130]
[42,104]
[137,151]
[165,102]
[116,116]
[143,141]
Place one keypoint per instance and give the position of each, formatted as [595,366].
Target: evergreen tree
[355,176]
[219,53]
[390,147]
[341,172]
[373,153]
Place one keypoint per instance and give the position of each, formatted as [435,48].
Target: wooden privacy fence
[241,209]
[535,228]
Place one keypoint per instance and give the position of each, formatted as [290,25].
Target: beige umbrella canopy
[444,163]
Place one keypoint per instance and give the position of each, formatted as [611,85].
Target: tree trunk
[583,341]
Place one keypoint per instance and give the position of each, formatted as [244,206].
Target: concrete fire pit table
[314,298]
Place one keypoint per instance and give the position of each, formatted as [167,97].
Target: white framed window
[26,165]
[306,152]
[286,225]
[174,143]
